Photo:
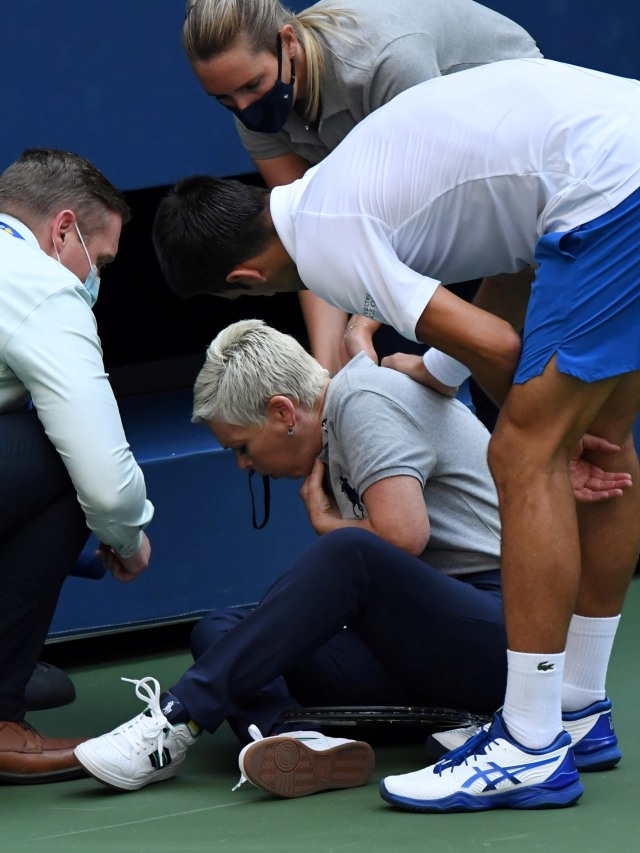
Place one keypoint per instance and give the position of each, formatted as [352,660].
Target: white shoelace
[256,734]
[147,726]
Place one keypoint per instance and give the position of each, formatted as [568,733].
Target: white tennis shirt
[456,179]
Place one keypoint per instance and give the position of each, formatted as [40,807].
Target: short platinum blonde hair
[246,365]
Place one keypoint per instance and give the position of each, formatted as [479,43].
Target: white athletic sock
[531,710]
[589,644]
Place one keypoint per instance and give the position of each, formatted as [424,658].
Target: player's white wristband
[444,368]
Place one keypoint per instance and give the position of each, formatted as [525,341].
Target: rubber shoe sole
[603,759]
[529,797]
[8,777]
[119,782]
[598,748]
[287,767]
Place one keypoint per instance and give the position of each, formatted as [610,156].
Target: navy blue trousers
[42,531]
[355,621]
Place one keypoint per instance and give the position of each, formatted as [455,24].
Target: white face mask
[92,281]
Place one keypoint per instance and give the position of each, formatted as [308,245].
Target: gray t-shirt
[394,45]
[378,423]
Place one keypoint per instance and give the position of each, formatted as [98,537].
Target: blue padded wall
[111,82]
[584,32]
[205,552]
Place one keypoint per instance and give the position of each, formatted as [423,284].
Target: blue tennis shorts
[585,299]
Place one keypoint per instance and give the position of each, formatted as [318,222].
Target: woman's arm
[278,171]
[325,324]
[325,329]
[395,508]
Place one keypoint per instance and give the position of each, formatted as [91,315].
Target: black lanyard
[267,501]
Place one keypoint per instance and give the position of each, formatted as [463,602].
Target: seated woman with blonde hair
[397,603]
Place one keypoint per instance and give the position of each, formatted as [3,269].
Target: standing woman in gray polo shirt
[298,84]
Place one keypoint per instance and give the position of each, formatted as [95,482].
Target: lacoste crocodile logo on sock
[545,666]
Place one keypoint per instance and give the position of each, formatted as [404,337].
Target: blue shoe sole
[598,749]
[527,797]
[601,759]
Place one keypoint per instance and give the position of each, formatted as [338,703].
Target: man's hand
[125,569]
[589,482]
[321,508]
[413,366]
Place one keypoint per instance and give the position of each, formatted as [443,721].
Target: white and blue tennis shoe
[490,771]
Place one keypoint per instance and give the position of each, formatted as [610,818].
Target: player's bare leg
[537,432]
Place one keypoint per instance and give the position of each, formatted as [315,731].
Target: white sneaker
[490,771]
[146,749]
[296,764]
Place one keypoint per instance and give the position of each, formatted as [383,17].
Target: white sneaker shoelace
[151,724]
[256,734]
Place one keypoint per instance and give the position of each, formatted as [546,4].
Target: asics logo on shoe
[494,774]
[168,707]
[545,666]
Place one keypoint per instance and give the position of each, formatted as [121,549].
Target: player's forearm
[488,345]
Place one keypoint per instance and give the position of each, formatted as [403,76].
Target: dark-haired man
[490,173]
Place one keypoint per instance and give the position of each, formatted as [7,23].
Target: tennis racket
[427,719]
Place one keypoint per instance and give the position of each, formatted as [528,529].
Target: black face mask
[269,113]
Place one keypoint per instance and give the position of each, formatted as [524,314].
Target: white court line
[134,822]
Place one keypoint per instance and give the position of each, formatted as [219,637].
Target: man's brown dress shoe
[28,758]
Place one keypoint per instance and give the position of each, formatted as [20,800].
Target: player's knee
[514,455]
[501,449]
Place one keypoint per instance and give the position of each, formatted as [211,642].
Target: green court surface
[198,811]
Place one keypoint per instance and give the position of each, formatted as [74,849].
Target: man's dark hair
[204,227]
[44,181]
